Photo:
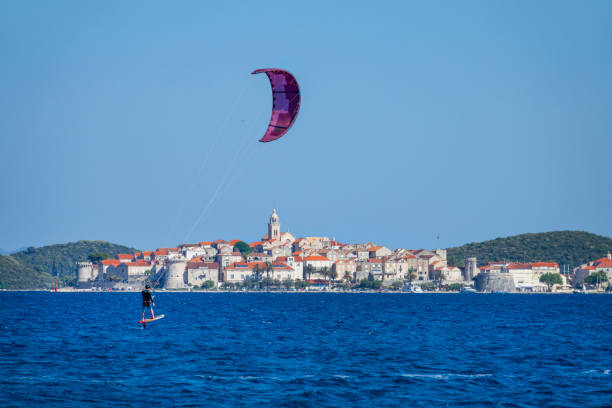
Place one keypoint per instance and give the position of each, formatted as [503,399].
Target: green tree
[288,283]
[411,275]
[68,280]
[596,278]
[455,287]
[267,282]
[428,286]
[268,269]
[96,257]
[208,284]
[370,284]
[250,282]
[551,279]
[441,277]
[242,247]
[333,275]
[308,271]
[325,273]
[397,285]
[257,275]
[347,276]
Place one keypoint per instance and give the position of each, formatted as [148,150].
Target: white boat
[412,289]
[581,291]
[468,289]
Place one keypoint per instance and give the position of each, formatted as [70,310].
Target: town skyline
[317,262]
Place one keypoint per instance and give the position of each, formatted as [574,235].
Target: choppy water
[86,349]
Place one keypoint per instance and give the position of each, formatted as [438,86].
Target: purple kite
[285,102]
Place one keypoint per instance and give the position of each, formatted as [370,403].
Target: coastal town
[280,260]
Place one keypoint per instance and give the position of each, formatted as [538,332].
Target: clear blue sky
[467,120]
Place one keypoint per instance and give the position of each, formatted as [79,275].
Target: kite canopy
[285,102]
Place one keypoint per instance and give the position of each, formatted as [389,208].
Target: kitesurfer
[147,301]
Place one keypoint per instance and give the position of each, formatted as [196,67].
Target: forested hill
[60,259]
[564,247]
[15,275]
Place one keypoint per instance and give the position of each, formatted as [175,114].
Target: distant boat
[581,291]
[412,288]
[468,289]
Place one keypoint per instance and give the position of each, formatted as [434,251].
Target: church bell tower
[274,227]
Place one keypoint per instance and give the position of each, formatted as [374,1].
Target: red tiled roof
[114,262]
[139,263]
[280,265]
[147,253]
[545,264]
[605,263]
[208,265]
[234,242]
[316,258]
[285,258]
[160,253]
[125,256]
[519,266]
[247,265]
[168,249]
[589,268]
[374,248]
[374,260]
[205,243]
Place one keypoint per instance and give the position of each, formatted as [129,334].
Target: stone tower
[471,269]
[274,227]
[85,272]
[175,278]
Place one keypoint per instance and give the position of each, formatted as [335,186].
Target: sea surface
[301,349]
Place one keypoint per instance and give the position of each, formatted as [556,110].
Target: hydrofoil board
[151,320]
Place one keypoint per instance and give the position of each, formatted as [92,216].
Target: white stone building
[318,262]
[200,272]
[133,272]
[295,262]
[379,252]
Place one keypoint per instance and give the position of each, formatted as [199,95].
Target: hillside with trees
[60,259]
[15,275]
[564,247]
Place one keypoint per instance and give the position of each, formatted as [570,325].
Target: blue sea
[302,350]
